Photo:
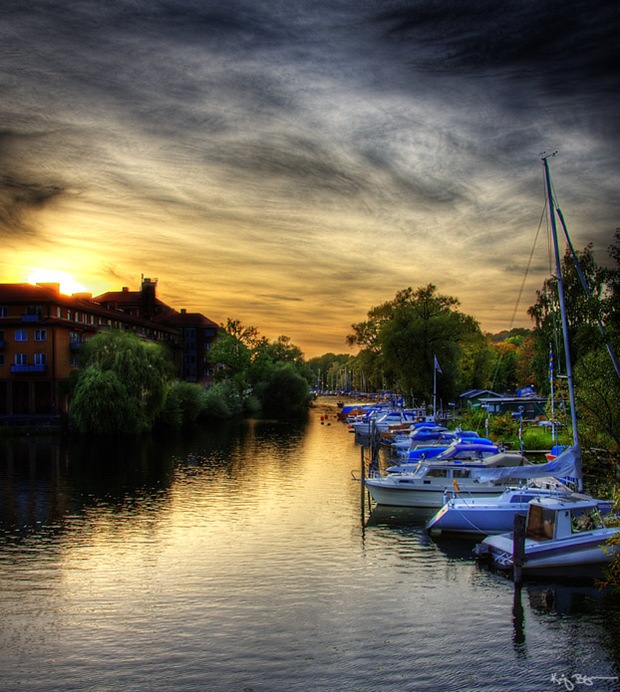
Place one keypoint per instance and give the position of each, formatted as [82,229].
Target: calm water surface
[239,558]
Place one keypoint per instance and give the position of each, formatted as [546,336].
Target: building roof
[187,319]
[477,393]
[49,294]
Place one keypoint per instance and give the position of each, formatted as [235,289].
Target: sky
[291,164]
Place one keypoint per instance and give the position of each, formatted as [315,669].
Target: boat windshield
[521,498]
[438,473]
[540,523]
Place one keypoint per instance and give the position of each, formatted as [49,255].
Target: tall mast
[569,366]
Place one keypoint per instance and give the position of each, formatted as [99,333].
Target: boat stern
[496,551]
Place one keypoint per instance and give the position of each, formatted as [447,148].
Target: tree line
[125,385]
[402,341]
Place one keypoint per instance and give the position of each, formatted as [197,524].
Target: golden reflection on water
[239,557]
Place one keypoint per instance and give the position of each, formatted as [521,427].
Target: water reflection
[234,558]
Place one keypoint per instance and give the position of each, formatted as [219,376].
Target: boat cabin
[553,518]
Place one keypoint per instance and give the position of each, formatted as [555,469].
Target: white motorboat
[380,420]
[484,516]
[427,484]
[564,536]
[493,515]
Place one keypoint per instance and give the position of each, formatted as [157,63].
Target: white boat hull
[555,556]
[403,491]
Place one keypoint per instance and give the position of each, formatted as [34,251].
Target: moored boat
[564,537]
[427,484]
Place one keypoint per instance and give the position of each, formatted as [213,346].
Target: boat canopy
[563,466]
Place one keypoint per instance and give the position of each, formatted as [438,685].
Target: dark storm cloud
[564,43]
[18,200]
[339,147]
[21,196]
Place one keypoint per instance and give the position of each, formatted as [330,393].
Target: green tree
[582,313]
[247,362]
[285,393]
[597,389]
[121,384]
[183,404]
[404,336]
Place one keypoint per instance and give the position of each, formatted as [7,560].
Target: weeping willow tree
[121,385]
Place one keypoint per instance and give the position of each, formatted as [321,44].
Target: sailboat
[564,536]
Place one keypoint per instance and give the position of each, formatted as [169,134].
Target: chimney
[125,289]
[147,299]
[183,311]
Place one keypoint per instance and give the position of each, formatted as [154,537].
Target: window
[540,523]
[40,334]
[34,310]
[40,358]
[4,311]
[1,359]
[437,473]
[21,359]
[21,335]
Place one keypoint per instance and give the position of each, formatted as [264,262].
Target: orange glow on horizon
[68,285]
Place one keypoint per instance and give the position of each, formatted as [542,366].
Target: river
[238,558]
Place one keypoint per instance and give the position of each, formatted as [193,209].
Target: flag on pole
[437,366]
[551,364]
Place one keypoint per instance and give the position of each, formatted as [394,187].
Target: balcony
[28,369]
[31,318]
[75,346]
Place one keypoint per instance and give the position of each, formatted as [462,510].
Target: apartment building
[197,332]
[42,330]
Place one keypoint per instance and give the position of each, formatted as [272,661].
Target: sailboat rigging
[567,355]
[566,533]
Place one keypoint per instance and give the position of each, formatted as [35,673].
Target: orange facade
[41,331]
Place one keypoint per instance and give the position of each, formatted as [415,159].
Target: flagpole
[435,388]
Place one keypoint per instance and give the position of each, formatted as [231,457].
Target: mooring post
[362,479]
[518,547]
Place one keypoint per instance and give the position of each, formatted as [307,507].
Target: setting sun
[68,285]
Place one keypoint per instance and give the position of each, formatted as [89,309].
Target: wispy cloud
[292,165]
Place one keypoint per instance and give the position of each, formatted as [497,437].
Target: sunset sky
[292,164]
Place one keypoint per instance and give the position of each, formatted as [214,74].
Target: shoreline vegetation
[419,345]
